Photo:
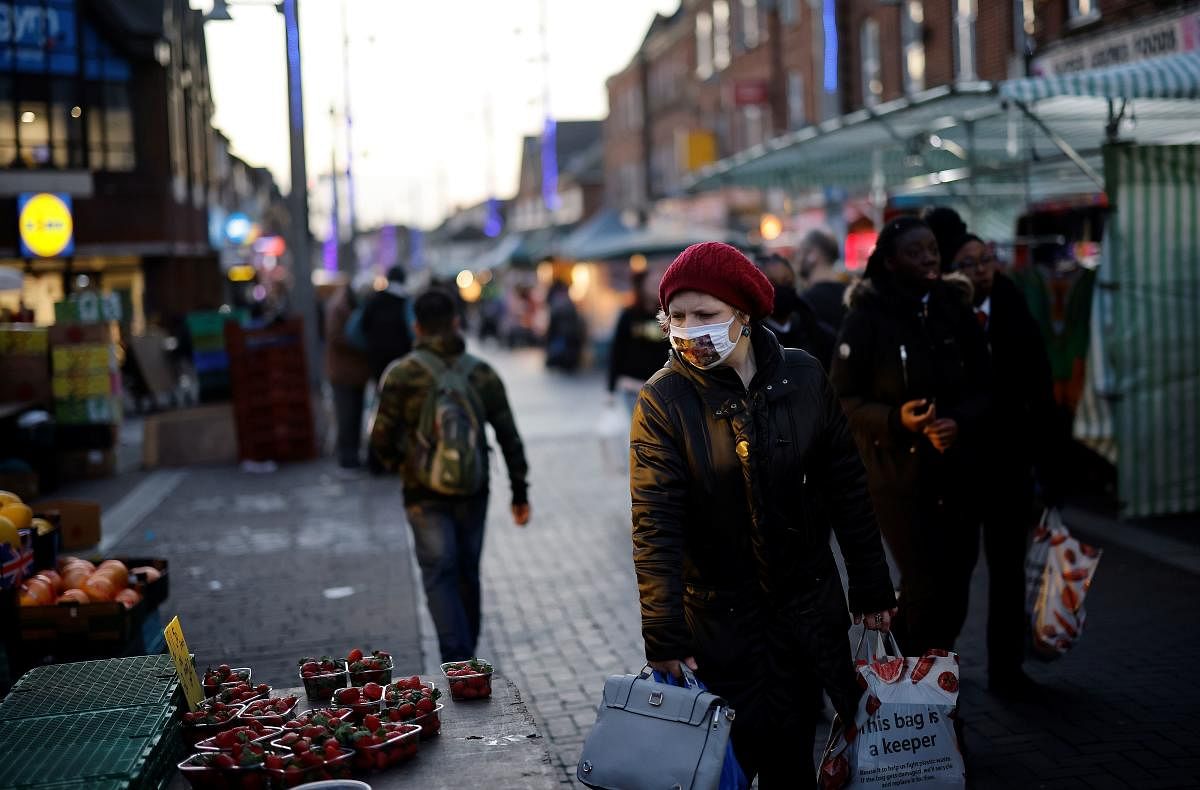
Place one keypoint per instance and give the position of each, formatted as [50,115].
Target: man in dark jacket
[638,346]
[385,324]
[911,368]
[1021,434]
[792,320]
[447,530]
[740,462]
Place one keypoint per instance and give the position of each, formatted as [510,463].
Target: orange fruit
[129,598]
[99,588]
[39,589]
[8,497]
[9,534]
[74,576]
[74,596]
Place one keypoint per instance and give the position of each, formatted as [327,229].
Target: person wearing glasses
[1021,436]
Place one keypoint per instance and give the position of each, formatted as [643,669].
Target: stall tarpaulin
[1155,343]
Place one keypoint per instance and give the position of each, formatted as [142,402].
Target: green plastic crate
[101,746]
[91,686]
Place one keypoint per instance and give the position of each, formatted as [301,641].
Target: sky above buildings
[424,78]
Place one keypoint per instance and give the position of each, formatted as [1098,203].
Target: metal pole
[304,299]
[349,144]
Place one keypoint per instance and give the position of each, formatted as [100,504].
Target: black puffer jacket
[734,491]
[894,348]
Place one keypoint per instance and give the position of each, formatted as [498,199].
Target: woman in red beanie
[740,460]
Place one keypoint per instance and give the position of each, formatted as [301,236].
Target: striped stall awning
[1168,77]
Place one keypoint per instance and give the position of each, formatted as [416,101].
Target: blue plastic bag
[732,776]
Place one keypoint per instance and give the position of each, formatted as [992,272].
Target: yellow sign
[178,648]
[47,229]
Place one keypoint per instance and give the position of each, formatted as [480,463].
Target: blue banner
[39,37]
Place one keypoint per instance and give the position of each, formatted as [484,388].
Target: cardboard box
[203,435]
[24,377]
[79,521]
[66,334]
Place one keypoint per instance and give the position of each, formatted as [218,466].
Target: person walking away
[733,445]
[638,346]
[385,324]
[433,404]
[911,368]
[565,329]
[348,372]
[1021,435]
[825,287]
[792,320]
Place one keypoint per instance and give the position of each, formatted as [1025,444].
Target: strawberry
[348,696]
[372,691]
[273,762]
[371,722]
[224,760]
[354,655]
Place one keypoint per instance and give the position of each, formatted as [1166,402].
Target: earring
[745,330]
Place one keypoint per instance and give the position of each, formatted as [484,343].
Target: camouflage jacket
[402,392]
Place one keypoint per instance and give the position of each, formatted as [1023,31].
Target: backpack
[449,454]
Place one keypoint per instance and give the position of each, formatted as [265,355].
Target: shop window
[33,132]
[66,124]
[749,27]
[912,33]
[118,127]
[872,73]
[704,45]
[964,40]
[721,42]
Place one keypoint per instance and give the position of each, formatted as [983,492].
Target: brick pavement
[268,568]
[561,614]
[561,604]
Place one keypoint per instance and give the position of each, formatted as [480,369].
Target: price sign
[178,648]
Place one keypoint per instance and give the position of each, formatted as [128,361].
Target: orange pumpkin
[129,598]
[99,588]
[74,596]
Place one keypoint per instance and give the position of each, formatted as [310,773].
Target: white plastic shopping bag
[612,429]
[1058,575]
[903,734]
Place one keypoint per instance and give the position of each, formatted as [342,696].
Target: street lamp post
[304,299]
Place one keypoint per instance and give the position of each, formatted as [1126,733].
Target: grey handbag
[655,736]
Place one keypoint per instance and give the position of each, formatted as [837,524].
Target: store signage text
[1168,37]
[45,224]
[37,35]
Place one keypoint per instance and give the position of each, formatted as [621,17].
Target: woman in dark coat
[911,368]
[741,460]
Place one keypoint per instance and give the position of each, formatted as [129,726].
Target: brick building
[108,101]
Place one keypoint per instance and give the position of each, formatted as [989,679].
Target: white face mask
[706,346]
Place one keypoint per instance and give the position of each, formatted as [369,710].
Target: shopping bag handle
[882,638]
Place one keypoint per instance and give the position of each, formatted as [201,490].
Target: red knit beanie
[720,270]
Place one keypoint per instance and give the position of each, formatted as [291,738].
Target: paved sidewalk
[561,614]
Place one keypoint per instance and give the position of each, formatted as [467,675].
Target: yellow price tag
[182,657]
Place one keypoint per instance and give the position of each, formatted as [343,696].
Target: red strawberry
[371,722]
[354,655]
[348,696]
[948,681]
[273,762]
[372,691]
[425,706]
[332,749]
[224,760]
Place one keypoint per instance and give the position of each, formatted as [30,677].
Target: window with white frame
[797,112]
[751,32]
[965,12]
[1083,10]
[912,34]
[789,11]
[721,43]
[872,71]
[704,45]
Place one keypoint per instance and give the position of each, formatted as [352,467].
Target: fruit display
[373,668]
[312,728]
[361,701]
[332,762]
[239,736]
[410,700]
[240,693]
[323,676]
[379,745]
[469,679]
[272,712]
[245,769]
[209,721]
[223,677]
[78,581]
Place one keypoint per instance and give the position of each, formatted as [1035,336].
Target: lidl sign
[45,224]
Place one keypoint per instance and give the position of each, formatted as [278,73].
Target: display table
[491,743]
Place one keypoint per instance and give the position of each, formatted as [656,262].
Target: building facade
[108,102]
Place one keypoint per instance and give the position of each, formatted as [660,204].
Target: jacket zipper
[904,366]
